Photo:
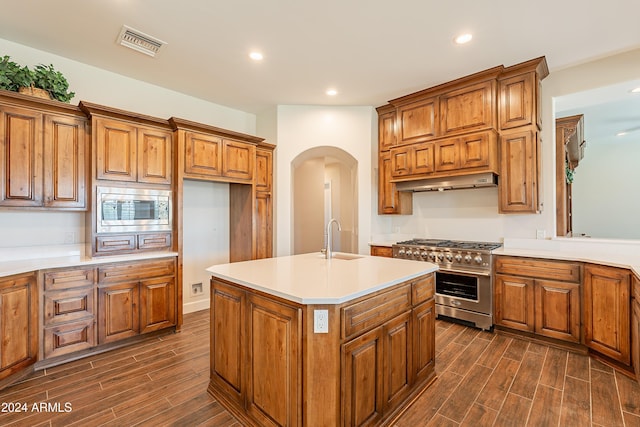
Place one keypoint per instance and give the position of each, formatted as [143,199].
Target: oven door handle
[471,273]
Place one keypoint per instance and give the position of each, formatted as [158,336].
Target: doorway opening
[324,187]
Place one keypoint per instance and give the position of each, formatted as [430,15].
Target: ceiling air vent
[140,41]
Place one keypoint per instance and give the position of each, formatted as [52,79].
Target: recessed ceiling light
[635,90]
[621,133]
[256,56]
[332,92]
[463,38]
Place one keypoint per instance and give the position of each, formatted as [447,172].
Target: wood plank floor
[484,379]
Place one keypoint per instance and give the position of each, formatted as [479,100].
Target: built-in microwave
[121,210]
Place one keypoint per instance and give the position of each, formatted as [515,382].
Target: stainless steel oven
[464,289]
[127,209]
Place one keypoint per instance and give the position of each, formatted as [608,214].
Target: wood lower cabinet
[269,367]
[607,305]
[635,338]
[18,323]
[538,296]
[134,298]
[385,251]
[43,158]
[264,220]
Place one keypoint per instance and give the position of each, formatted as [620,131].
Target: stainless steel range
[463,282]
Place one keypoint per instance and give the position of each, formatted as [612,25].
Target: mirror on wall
[603,201]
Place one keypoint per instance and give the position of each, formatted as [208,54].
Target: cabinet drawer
[124,272]
[69,278]
[422,289]
[64,306]
[115,243]
[384,251]
[69,338]
[538,268]
[371,312]
[154,241]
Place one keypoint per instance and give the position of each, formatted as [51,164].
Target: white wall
[352,129]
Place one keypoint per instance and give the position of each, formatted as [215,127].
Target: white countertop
[312,279]
[27,259]
[614,254]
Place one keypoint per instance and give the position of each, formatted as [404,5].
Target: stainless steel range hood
[487,179]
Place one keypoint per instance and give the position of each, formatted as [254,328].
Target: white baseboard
[191,307]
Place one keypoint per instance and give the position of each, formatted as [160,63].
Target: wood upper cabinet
[263,224]
[468,108]
[607,305]
[473,151]
[264,169]
[18,323]
[519,172]
[412,160]
[416,121]
[43,159]
[211,156]
[126,151]
[391,201]
[386,128]
[518,100]
[540,296]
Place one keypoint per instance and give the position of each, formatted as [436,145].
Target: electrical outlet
[320,321]
[196,288]
[540,234]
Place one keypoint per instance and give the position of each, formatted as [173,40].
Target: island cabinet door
[397,361]
[274,334]
[424,345]
[362,395]
[227,340]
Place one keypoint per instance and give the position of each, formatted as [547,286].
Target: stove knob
[449,257]
[458,257]
[467,259]
[478,259]
[440,256]
[401,251]
[432,256]
[424,254]
[408,252]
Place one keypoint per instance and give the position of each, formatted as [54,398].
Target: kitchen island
[305,341]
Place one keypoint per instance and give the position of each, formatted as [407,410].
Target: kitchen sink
[346,257]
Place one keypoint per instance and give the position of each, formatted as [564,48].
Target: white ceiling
[369,50]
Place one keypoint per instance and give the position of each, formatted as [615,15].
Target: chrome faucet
[328,253]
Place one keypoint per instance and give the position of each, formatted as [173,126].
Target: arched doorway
[324,186]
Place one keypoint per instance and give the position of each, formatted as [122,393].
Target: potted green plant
[12,75]
[48,78]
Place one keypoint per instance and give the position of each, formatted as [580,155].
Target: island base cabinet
[274,356]
[607,304]
[424,349]
[635,338]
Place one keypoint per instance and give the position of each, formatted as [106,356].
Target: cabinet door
[154,156]
[116,150]
[557,310]
[118,312]
[264,170]
[391,201]
[424,340]
[418,121]
[514,302]
[227,358]
[423,159]
[362,396]
[203,155]
[274,390]
[475,150]
[468,108]
[157,304]
[519,168]
[401,161]
[447,155]
[607,311]
[386,130]
[20,157]
[264,219]
[65,162]
[18,323]
[238,160]
[397,360]
[516,101]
